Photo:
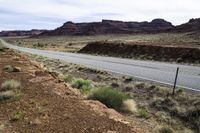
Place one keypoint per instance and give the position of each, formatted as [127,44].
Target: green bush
[166,130]
[143,112]
[68,78]
[84,85]
[180,91]
[108,96]
[17,115]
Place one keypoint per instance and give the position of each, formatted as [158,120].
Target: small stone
[36,122]
[111,132]
[17,69]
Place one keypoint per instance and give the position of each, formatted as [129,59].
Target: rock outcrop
[192,26]
[110,27]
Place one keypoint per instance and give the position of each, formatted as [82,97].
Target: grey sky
[49,14]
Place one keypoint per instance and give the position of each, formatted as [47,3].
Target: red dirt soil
[50,106]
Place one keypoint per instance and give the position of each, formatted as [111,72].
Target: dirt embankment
[45,104]
[140,51]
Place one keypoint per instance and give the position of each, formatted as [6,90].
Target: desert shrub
[192,116]
[84,85]
[166,130]
[10,85]
[6,95]
[108,96]
[152,87]
[38,45]
[128,88]
[115,85]
[140,85]
[1,48]
[68,78]
[17,96]
[128,79]
[179,91]
[143,112]
[164,103]
[16,115]
[179,60]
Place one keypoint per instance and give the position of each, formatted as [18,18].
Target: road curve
[188,78]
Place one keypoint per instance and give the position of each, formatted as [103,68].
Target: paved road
[189,76]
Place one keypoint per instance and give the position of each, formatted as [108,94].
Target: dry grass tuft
[130,105]
[10,85]
[6,95]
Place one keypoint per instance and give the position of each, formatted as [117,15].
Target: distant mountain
[21,33]
[110,27]
[192,26]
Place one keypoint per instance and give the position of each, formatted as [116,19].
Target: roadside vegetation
[147,101]
[110,97]
[107,95]
[34,98]
[84,86]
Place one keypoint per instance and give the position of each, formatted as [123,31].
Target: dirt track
[49,106]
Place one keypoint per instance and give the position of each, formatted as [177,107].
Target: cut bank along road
[189,76]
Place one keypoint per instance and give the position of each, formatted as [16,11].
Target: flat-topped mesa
[110,27]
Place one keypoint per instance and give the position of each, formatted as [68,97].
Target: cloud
[28,14]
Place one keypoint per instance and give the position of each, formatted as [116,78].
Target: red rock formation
[110,27]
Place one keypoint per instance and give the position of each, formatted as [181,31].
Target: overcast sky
[49,14]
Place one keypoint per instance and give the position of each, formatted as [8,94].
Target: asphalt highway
[188,78]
